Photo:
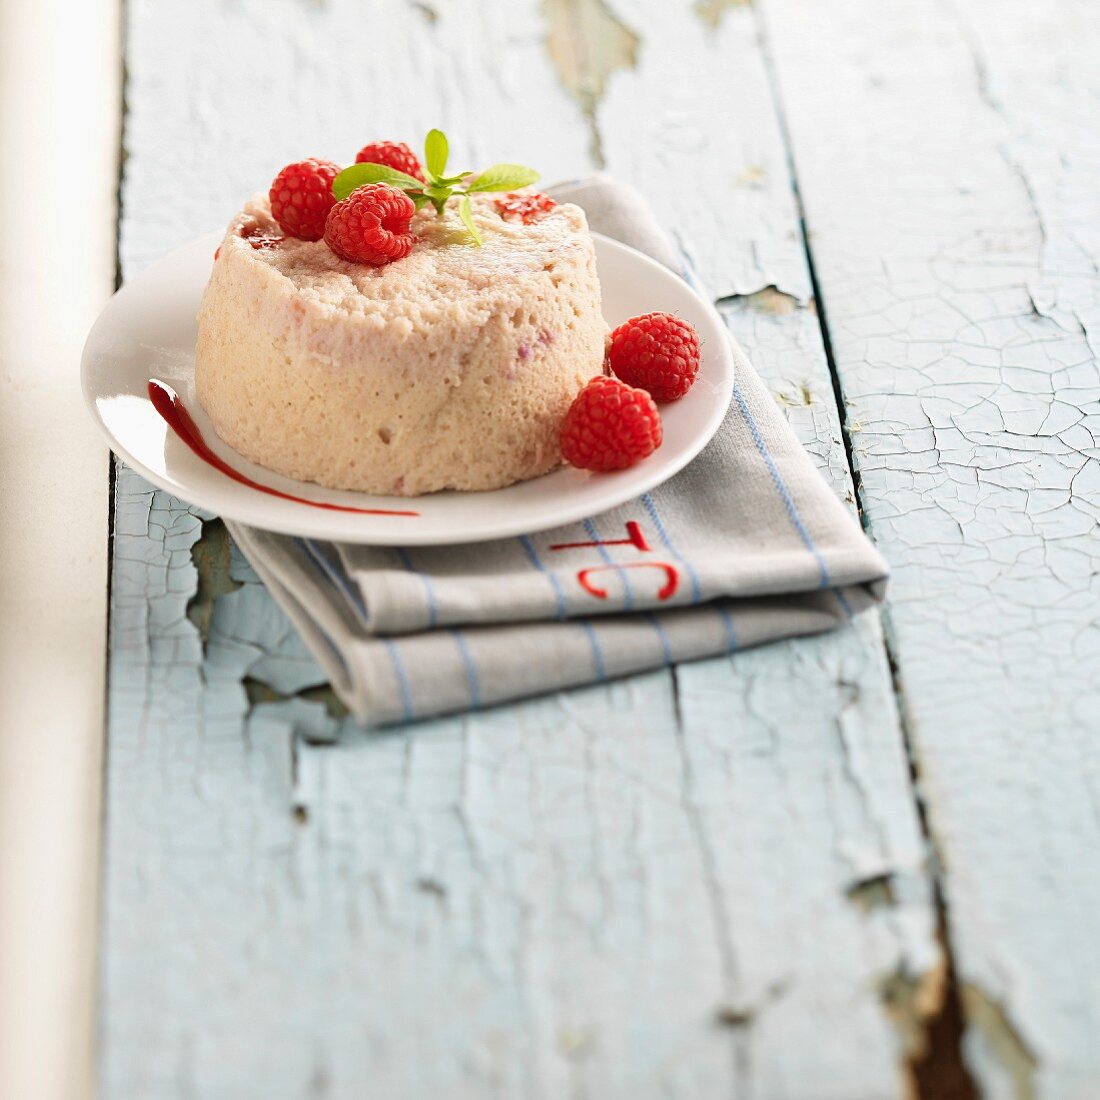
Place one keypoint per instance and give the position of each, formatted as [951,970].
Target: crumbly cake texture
[452,368]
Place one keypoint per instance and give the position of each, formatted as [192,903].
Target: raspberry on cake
[393,154]
[371,226]
[301,197]
[452,367]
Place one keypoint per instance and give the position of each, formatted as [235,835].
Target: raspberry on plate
[371,226]
[610,426]
[301,197]
[656,352]
[523,206]
[393,154]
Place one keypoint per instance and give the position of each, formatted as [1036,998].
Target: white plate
[148,330]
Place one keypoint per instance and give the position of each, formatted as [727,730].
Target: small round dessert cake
[451,368]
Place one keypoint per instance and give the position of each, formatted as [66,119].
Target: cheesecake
[450,368]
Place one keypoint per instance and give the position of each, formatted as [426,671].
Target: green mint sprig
[438,187]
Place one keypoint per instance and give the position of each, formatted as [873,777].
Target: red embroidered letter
[634,537]
[665,592]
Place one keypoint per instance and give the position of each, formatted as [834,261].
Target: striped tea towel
[747,545]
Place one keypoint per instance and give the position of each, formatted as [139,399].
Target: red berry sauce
[261,238]
[523,206]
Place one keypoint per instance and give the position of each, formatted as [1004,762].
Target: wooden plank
[949,161]
[427,889]
[60,95]
[683,885]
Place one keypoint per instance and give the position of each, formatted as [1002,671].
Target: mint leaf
[435,152]
[438,196]
[503,177]
[466,213]
[359,174]
[450,181]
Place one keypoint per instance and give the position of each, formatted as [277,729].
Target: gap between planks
[937,1068]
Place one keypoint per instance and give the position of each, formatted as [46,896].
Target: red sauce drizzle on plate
[167,402]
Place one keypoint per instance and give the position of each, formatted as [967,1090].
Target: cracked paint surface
[638,889]
[688,101]
[587,43]
[472,861]
[955,248]
[712,11]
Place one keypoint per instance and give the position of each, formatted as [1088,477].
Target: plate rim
[314,527]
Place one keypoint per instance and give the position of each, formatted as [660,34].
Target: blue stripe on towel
[597,649]
[843,601]
[628,592]
[402,678]
[551,576]
[336,577]
[651,508]
[471,670]
[727,622]
[689,277]
[781,486]
[429,592]
[559,594]
[662,636]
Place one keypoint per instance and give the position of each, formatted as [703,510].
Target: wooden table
[858,866]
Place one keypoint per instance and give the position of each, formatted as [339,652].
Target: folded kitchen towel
[746,545]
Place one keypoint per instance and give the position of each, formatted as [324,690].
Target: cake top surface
[444,265]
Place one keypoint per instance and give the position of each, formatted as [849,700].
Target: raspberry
[301,198]
[371,226]
[610,426]
[658,353]
[523,206]
[393,154]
